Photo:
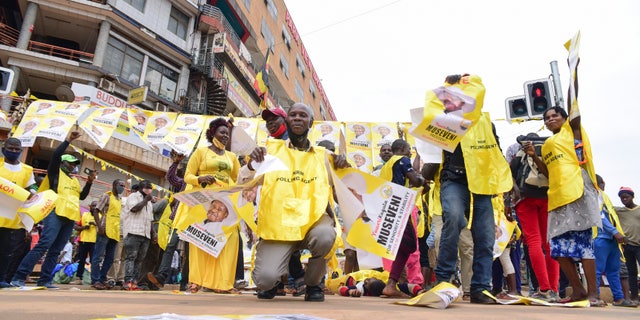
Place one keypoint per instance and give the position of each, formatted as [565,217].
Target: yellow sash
[292,201]
[20,178]
[565,177]
[88,235]
[164,227]
[487,170]
[386,172]
[68,203]
[112,222]
[613,217]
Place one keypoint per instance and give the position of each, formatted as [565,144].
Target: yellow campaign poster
[358,135]
[27,129]
[185,132]
[262,134]
[138,119]
[450,111]
[101,123]
[40,108]
[360,159]
[384,133]
[59,120]
[158,127]
[326,131]
[375,211]
[249,125]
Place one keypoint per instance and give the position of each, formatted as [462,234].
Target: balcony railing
[9,37]
[215,13]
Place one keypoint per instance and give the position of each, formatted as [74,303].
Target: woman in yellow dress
[211,167]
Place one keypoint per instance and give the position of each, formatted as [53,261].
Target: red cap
[275,111]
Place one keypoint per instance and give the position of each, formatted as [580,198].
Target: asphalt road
[81,302]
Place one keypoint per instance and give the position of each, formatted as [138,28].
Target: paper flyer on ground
[439,297]
[515,299]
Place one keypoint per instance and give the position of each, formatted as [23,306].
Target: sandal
[624,303]
[597,303]
[193,288]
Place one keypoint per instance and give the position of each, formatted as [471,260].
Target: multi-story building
[194,56]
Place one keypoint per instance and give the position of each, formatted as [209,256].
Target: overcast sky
[377,58]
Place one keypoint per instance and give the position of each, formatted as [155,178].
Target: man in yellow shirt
[58,225]
[11,235]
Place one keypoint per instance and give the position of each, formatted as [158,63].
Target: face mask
[119,189]
[10,155]
[75,170]
[218,144]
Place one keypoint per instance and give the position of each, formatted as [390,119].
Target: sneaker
[77,282]
[4,284]
[158,281]
[240,284]
[49,286]
[99,286]
[548,296]
[130,286]
[481,298]
[108,285]
[314,293]
[17,283]
[267,294]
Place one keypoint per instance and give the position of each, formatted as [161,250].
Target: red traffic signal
[538,97]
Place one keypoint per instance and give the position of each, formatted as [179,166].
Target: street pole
[557,86]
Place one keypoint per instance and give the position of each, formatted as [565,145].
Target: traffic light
[538,96]
[6,79]
[516,108]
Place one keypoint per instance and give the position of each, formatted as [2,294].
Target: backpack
[528,173]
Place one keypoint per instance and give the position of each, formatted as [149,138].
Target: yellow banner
[59,121]
[358,135]
[360,158]
[158,127]
[101,123]
[138,119]
[326,131]
[184,133]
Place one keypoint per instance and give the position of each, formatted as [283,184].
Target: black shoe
[158,281]
[481,298]
[314,293]
[267,294]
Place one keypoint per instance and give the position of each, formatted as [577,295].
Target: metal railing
[9,37]
[215,13]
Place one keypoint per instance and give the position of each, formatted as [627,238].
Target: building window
[312,89]
[299,91]
[178,23]
[300,65]
[138,4]
[124,61]
[161,80]
[247,4]
[323,111]
[286,37]
[271,7]
[284,65]
[267,35]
